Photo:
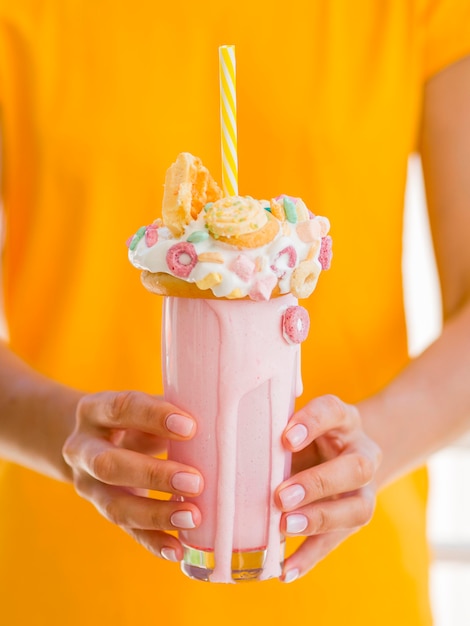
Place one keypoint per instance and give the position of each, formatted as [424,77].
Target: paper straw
[228,119]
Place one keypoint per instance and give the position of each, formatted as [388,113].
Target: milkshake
[231,270]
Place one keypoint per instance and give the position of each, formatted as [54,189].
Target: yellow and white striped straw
[228,119]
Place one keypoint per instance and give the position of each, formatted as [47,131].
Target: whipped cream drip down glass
[231,365]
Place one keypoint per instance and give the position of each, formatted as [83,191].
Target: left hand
[330,493]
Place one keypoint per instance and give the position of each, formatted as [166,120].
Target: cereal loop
[181,258]
[325,253]
[285,258]
[295,324]
[304,278]
[151,235]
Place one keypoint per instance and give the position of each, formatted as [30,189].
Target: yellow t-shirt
[97,99]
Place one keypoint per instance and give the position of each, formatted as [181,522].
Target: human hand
[330,493]
[111,455]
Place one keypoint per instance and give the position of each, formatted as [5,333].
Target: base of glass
[246,565]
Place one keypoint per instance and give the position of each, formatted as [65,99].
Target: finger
[345,473]
[132,409]
[139,441]
[130,511]
[127,468]
[158,543]
[321,415]
[349,511]
[311,552]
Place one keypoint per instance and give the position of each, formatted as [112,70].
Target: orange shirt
[97,99]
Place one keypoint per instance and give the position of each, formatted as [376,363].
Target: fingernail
[291,496]
[291,575]
[169,554]
[296,523]
[182,519]
[179,424]
[297,435]
[189,483]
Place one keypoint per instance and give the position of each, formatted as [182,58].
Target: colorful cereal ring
[151,235]
[181,258]
[291,254]
[325,253]
[295,324]
[304,278]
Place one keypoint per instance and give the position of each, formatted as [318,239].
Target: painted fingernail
[291,575]
[184,481]
[297,435]
[169,554]
[292,496]
[296,523]
[179,424]
[182,519]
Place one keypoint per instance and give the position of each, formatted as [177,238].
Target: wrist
[36,417]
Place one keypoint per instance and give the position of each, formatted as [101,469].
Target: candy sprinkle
[211,257]
[291,211]
[136,238]
[209,280]
[198,235]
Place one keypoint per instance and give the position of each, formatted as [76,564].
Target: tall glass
[228,364]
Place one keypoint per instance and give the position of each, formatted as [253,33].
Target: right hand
[111,455]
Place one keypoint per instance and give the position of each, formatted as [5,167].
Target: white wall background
[449,503]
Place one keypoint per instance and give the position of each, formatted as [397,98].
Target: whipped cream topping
[290,257]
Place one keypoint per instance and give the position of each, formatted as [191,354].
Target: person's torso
[97,100]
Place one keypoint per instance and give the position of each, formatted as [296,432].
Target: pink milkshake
[232,269]
[228,364]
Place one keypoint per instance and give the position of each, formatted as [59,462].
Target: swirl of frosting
[233,216]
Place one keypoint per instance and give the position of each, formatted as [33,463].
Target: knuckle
[111,510]
[346,415]
[103,466]
[142,539]
[155,521]
[153,475]
[364,469]
[85,407]
[68,450]
[81,485]
[354,414]
[378,454]
[366,509]
[319,485]
[123,403]
[82,407]
[335,405]
[131,409]
[321,521]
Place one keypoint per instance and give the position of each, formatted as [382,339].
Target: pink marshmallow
[308,231]
[243,267]
[263,287]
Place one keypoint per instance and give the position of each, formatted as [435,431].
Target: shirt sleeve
[446,34]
